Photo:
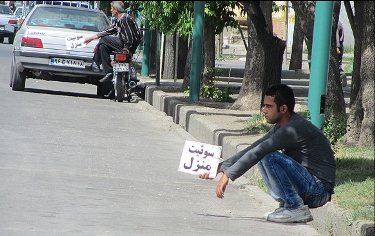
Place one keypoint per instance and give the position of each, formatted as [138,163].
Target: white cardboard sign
[74,41]
[199,157]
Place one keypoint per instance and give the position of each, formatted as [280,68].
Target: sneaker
[299,215]
[276,210]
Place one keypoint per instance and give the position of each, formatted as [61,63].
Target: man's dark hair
[283,94]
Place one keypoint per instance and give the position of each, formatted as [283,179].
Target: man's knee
[272,155]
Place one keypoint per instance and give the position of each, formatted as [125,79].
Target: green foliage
[278,7]
[215,93]
[172,16]
[334,128]
[257,124]
[133,5]
[219,14]
[305,114]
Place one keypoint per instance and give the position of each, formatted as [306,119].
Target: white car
[8,24]
[49,45]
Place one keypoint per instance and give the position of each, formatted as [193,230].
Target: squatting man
[295,160]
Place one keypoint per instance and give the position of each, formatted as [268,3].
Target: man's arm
[284,137]
[108,31]
[233,159]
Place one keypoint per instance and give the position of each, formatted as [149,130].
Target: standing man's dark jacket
[127,30]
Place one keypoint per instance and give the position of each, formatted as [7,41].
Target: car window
[5,10]
[18,12]
[72,18]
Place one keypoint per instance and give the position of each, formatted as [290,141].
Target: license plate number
[120,67]
[67,62]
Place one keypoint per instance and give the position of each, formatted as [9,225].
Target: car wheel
[1,39]
[18,79]
[11,39]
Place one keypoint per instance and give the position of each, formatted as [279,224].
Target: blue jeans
[290,183]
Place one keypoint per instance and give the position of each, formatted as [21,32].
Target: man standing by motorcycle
[128,37]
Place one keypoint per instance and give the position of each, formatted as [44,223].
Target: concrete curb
[220,127]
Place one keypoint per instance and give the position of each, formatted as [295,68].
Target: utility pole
[320,61]
[196,60]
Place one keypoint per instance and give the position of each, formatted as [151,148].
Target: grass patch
[257,124]
[354,189]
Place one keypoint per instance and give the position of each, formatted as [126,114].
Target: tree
[361,118]
[357,108]
[218,15]
[297,47]
[169,56]
[335,103]
[306,9]
[263,64]
[177,16]
[367,76]
[171,18]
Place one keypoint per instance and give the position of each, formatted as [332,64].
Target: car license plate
[67,62]
[120,67]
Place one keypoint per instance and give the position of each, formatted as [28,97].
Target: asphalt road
[74,164]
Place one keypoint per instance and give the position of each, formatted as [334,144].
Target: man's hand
[89,39]
[206,175]
[221,186]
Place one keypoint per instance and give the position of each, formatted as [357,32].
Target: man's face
[270,110]
[113,11]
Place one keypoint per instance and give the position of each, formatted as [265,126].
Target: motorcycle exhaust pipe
[132,84]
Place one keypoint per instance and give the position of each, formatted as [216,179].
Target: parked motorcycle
[125,80]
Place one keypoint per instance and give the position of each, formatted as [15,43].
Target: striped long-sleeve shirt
[126,29]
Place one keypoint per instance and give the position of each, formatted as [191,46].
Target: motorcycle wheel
[119,87]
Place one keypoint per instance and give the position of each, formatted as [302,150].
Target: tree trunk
[335,103]
[271,51]
[153,50]
[355,110]
[273,47]
[297,47]
[186,82]
[306,9]
[169,56]
[183,47]
[209,54]
[251,90]
[366,138]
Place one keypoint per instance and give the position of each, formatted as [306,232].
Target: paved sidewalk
[215,123]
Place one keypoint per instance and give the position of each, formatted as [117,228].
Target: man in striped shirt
[127,35]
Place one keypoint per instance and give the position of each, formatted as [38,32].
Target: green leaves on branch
[172,16]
